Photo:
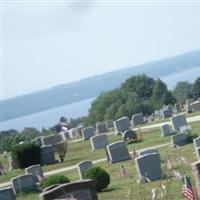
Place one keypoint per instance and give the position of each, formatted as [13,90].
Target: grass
[127,187]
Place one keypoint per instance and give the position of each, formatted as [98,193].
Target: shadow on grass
[110,189]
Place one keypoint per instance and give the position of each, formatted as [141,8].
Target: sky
[45,44]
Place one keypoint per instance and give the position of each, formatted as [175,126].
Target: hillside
[93,86]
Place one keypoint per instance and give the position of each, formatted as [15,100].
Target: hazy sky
[46,44]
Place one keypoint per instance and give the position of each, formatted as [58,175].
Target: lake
[51,117]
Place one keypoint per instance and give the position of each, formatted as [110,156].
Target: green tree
[196,88]
[182,91]
[161,95]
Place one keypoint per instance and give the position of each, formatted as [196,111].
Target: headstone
[196,173]
[117,152]
[35,171]
[23,183]
[79,190]
[129,135]
[149,166]
[148,151]
[196,142]
[82,167]
[178,121]
[195,106]
[77,131]
[7,193]
[121,124]
[47,155]
[198,153]
[52,139]
[109,124]
[65,135]
[101,127]
[167,113]
[99,141]
[37,140]
[165,129]
[137,119]
[179,139]
[72,133]
[184,129]
[87,133]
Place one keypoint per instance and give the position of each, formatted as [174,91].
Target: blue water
[51,117]
[188,75]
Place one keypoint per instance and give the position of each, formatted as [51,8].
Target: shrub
[100,177]
[54,179]
[25,155]
[190,136]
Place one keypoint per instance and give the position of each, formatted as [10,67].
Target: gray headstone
[167,113]
[65,135]
[121,124]
[117,152]
[99,141]
[149,166]
[198,153]
[165,129]
[129,135]
[196,174]
[109,124]
[87,133]
[7,193]
[77,132]
[179,139]
[79,190]
[35,171]
[148,151]
[52,139]
[178,121]
[196,142]
[83,166]
[101,127]
[47,155]
[137,119]
[195,106]
[23,183]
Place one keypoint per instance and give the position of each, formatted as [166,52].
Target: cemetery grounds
[121,188]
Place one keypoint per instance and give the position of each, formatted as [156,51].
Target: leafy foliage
[25,155]
[99,176]
[54,179]
[10,138]
[183,91]
[138,94]
[196,88]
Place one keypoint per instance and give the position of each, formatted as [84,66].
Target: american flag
[187,190]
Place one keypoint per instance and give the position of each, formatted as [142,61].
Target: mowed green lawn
[126,187]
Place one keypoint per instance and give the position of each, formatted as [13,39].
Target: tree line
[139,94]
